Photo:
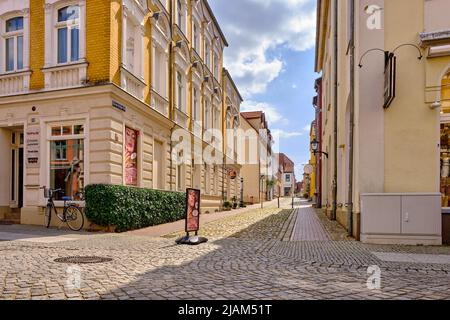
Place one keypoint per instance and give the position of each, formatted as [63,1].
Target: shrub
[129,208]
[227,205]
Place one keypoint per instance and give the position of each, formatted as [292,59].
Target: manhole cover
[83,260]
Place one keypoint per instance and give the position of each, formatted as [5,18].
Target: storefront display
[445,164]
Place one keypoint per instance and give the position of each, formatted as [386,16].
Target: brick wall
[37,44]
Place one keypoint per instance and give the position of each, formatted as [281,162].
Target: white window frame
[180,86]
[69,25]
[160,58]
[51,31]
[25,33]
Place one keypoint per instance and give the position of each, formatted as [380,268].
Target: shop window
[67,161]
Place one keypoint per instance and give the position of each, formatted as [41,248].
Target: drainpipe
[335,120]
[352,119]
[171,88]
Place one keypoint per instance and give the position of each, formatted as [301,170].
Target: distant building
[286,174]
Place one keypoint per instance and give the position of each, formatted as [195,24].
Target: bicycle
[71,215]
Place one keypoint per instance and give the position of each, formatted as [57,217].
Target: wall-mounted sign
[390,75]
[232,174]
[32,147]
[119,106]
[192,210]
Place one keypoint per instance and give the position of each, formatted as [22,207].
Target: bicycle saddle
[66,198]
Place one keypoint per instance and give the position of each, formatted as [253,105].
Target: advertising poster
[193,210]
[131,159]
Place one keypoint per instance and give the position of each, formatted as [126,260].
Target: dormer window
[14,44]
[68,34]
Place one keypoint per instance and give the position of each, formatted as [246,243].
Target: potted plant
[235,204]
[227,206]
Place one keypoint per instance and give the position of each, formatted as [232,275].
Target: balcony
[160,104]
[65,76]
[132,84]
[14,83]
[181,118]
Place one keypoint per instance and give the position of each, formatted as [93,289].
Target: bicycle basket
[48,193]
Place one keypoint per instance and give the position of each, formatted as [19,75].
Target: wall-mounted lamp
[178,44]
[156,15]
[435,105]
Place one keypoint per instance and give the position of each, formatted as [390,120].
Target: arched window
[14,44]
[68,34]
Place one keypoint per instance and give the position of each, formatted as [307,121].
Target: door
[16,173]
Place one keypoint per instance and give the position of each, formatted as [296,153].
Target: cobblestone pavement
[308,227]
[248,257]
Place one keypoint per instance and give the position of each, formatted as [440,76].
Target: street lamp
[315,148]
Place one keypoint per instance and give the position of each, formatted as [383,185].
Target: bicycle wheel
[48,215]
[74,218]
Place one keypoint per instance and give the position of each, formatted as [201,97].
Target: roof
[227,74]
[208,7]
[286,163]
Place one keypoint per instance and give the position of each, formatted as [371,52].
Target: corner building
[91,92]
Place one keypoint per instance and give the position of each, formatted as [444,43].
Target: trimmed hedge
[128,208]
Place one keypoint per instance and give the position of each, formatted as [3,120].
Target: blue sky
[271,58]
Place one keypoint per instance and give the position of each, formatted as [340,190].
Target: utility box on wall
[412,219]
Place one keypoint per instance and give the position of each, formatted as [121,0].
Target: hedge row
[128,208]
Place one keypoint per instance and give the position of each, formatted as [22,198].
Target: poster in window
[192,210]
[131,157]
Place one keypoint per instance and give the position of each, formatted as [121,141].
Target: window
[179,91]
[179,14]
[216,66]
[14,44]
[207,55]
[207,115]
[195,36]
[195,115]
[130,53]
[288,178]
[67,159]
[68,34]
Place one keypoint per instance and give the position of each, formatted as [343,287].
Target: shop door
[16,177]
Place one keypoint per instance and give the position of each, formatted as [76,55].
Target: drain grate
[83,260]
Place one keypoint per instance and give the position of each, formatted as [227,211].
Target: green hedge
[128,208]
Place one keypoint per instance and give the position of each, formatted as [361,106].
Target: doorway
[16,169]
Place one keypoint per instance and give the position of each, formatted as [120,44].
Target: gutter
[335,102]
[352,119]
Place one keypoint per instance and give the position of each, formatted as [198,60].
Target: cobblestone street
[257,254]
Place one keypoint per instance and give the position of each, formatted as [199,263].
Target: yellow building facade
[83,82]
[398,114]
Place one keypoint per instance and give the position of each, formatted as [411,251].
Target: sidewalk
[168,228]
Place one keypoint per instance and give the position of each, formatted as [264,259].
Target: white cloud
[255,27]
[282,134]
[294,86]
[307,128]
[272,114]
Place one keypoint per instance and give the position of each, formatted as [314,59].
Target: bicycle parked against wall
[72,215]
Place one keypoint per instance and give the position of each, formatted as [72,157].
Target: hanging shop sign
[232,174]
[390,76]
[131,157]
[32,147]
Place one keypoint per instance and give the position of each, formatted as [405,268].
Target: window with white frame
[66,166]
[181,19]
[207,115]
[14,50]
[196,36]
[207,55]
[180,91]
[68,34]
[195,105]
[288,178]
[216,66]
